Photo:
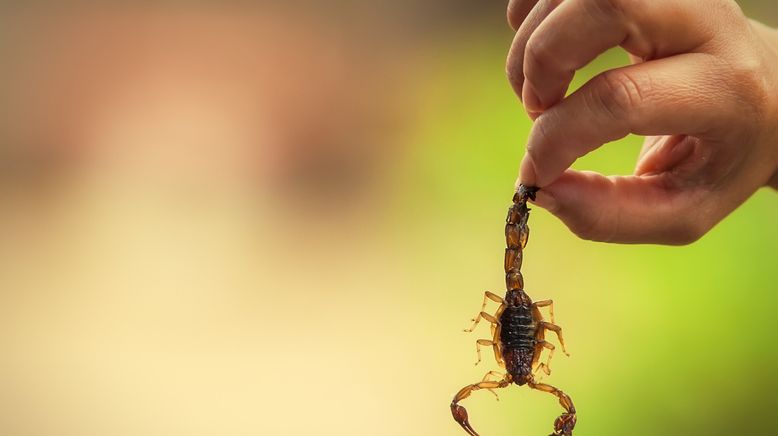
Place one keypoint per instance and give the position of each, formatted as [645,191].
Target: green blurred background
[277,220]
[664,340]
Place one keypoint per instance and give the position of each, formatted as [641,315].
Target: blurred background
[276,219]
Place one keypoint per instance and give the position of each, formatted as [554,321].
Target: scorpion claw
[460,416]
[563,426]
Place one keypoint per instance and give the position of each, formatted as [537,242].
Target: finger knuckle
[532,148]
[749,77]
[514,71]
[541,136]
[538,57]
[727,9]
[590,227]
[607,7]
[688,231]
[586,230]
[619,92]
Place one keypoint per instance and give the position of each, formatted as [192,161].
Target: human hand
[702,88]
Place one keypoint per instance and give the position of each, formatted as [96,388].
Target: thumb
[624,209]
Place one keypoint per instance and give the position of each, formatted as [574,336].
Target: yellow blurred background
[222,219]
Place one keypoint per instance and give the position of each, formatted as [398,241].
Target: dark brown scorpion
[518,329]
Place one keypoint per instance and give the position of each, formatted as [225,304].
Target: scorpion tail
[460,416]
[563,426]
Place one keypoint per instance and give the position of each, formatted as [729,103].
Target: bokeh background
[277,218]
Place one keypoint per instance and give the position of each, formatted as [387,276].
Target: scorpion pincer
[518,329]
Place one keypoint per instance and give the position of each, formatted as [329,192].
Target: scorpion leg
[482,315]
[545,367]
[496,329]
[494,343]
[478,344]
[489,318]
[486,378]
[460,413]
[487,296]
[564,424]
[546,303]
[558,330]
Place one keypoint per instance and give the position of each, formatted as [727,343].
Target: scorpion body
[518,329]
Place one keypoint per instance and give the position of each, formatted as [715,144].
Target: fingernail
[545,200]
[532,103]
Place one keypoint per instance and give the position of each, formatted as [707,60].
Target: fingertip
[545,199]
[578,201]
[529,97]
[666,154]
[517,12]
[511,15]
[513,20]
[527,174]
[548,154]
[534,115]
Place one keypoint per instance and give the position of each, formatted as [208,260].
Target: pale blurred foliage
[178,201]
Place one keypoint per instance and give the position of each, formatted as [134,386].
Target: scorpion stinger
[518,329]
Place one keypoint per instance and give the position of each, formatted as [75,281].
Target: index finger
[518,11]
[662,97]
[578,31]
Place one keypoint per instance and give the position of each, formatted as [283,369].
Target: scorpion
[518,329]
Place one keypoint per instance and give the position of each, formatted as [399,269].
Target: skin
[702,88]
